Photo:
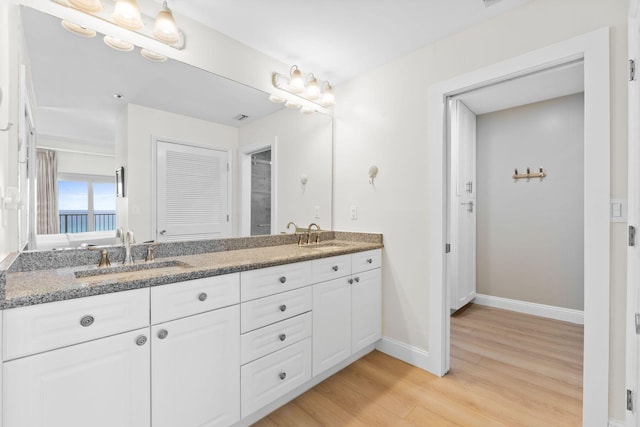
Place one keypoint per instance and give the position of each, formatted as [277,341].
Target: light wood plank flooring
[507,369]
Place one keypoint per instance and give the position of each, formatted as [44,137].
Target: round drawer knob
[334,268]
[282,375]
[87,321]
[141,340]
[350,281]
[162,334]
[283,307]
[357,279]
[283,279]
[202,296]
[369,261]
[282,337]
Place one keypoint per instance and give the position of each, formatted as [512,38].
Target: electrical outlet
[354,212]
[316,212]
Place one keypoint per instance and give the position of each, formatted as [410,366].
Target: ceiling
[339,39]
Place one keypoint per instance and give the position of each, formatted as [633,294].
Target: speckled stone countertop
[26,285]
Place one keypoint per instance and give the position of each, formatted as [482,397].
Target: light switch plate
[618,210]
[354,212]
[316,212]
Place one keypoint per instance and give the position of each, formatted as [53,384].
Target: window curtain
[47,192]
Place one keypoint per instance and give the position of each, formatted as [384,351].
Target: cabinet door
[331,323]
[195,370]
[366,309]
[102,383]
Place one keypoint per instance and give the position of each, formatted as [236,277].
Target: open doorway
[593,48]
[261,193]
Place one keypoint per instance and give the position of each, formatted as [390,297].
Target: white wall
[303,148]
[381,118]
[530,239]
[143,124]
[76,158]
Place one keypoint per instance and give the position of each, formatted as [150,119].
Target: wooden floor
[507,369]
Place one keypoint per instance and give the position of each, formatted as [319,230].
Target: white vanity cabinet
[195,372]
[346,309]
[84,377]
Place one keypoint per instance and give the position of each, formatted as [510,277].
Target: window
[86,203]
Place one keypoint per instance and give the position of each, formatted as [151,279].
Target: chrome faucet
[120,235]
[128,240]
[317,233]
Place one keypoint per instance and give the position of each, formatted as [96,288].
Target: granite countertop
[24,288]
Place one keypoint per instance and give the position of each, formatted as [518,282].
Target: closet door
[461,272]
[192,192]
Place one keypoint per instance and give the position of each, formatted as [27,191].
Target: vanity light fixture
[277,99]
[165,28]
[306,110]
[296,82]
[312,91]
[328,98]
[88,6]
[78,29]
[152,56]
[291,104]
[126,13]
[118,44]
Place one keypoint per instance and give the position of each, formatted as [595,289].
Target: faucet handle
[150,256]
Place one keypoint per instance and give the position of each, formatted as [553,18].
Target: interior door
[461,274]
[633,217]
[191,192]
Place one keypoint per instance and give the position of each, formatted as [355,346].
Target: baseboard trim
[616,423]
[405,352]
[542,310]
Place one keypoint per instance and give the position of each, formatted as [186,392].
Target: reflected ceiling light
[313,90]
[117,44]
[165,28]
[277,99]
[126,13]
[291,104]
[328,98]
[152,56]
[307,110]
[78,29]
[88,6]
[296,83]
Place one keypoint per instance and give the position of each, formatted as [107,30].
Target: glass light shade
[165,28]
[77,29]
[291,104]
[307,110]
[152,56]
[313,90]
[277,99]
[126,13]
[296,83]
[117,44]
[89,6]
[328,98]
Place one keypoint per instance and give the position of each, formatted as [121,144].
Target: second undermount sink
[128,268]
[326,246]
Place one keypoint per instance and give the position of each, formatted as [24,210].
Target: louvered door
[192,192]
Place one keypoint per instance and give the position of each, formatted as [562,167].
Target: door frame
[245,153]
[593,48]
[632,374]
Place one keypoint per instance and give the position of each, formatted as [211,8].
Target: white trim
[594,48]
[542,310]
[616,423]
[405,352]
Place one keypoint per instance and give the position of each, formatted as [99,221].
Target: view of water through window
[75,210]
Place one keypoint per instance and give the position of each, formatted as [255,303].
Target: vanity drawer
[169,302]
[265,311]
[42,327]
[363,261]
[273,280]
[263,341]
[266,379]
[325,269]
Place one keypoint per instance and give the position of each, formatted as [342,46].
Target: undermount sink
[128,268]
[326,246]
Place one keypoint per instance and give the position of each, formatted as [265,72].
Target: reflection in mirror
[189,143]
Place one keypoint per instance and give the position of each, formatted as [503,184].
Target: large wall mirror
[198,155]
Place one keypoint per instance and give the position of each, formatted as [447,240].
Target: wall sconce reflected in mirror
[373,172]
[304,179]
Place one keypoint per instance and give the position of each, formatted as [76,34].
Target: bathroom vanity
[213,338]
